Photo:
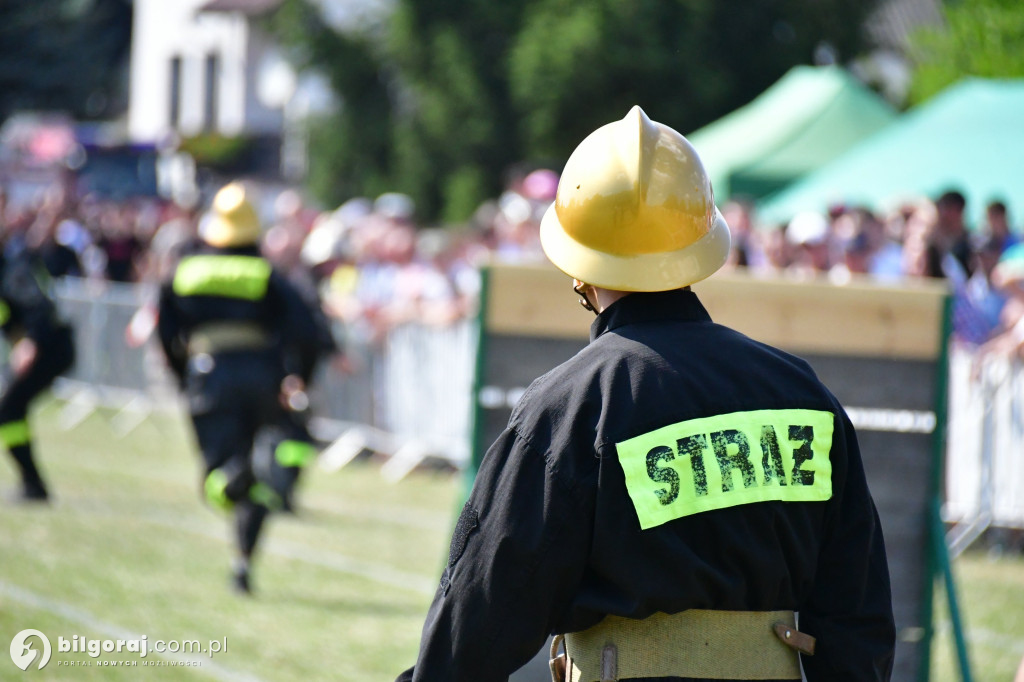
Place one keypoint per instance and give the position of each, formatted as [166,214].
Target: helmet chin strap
[584,299]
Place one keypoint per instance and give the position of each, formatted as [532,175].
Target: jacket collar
[678,304]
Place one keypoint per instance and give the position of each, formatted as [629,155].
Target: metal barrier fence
[985,446]
[406,396]
[409,397]
[108,370]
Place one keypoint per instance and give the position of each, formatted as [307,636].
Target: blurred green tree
[453,93]
[980,38]
[350,149]
[66,55]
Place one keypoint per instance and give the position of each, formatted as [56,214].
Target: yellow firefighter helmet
[232,220]
[635,211]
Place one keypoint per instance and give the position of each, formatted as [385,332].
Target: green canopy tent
[969,137]
[807,118]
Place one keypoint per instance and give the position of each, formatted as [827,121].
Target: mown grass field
[341,588]
[127,547]
[990,591]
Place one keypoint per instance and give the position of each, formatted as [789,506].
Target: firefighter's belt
[725,645]
[222,337]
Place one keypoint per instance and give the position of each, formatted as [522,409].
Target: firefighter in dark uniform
[240,339]
[41,348]
[669,497]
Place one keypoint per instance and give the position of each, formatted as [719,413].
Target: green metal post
[476,447]
[942,557]
[937,559]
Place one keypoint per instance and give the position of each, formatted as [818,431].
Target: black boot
[240,577]
[33,489]
[249,518]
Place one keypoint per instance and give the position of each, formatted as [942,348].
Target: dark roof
[243,6]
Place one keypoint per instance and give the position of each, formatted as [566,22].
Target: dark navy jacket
[237,284]
[551,538]
[26,309]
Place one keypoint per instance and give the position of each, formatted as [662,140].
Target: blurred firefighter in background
[243,343]
[41,348]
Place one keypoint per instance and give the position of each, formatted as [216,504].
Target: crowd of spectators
[918,240]
[374,267]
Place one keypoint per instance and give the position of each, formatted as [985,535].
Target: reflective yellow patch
[294,453]
[5,312]
[727,460]
[261,493]
[216,489]
[244,277]
[13,434]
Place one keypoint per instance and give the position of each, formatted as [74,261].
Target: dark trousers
[247,439]
[54,356]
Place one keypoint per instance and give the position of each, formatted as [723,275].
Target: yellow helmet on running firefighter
[634,211]
[232,220]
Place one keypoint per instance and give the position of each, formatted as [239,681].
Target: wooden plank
[863,318]
[535,300]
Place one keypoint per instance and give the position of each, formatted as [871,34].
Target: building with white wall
[195,68]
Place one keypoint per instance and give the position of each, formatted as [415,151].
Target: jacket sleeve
[169,331]
[849,610]
[516,557]
[301,336]
[23,291]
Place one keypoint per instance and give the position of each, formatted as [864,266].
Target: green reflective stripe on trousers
[216,486]
[5,312]
[294,453]
[16,433]
[731,459]
[244,277]
[261,493]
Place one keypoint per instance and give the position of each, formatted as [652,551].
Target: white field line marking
[85,619]
[399,515]
[379,573]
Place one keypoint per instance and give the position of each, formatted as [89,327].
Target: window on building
[175,112]
[212,91]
